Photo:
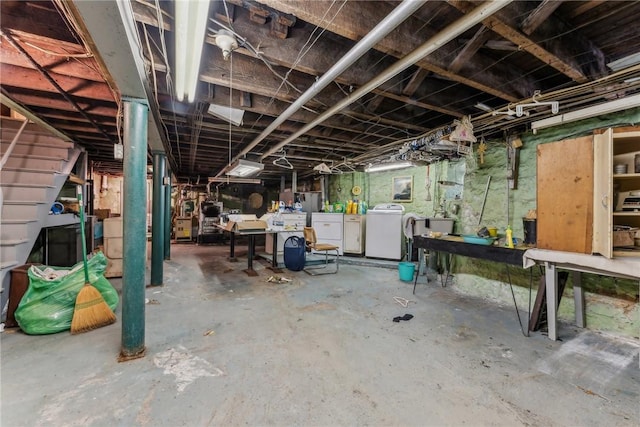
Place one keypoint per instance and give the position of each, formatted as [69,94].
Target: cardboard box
[102,214]
[112,227]
[251,225]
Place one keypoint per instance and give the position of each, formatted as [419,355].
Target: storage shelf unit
[611,148]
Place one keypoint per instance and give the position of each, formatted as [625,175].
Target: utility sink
[425,225]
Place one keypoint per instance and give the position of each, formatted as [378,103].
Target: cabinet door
[603,194]
[352,237]
[565,195]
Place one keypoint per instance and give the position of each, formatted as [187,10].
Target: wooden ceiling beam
[77,67]
[315,62]
[31,18]
[250,76]
[546,46]
[374,103]
[59,115]
[584,6]
[356,19]
[260,105]
[49,101]
[417,103]
[470,49]
[30,79]
[539,15]
[415,81]
[209,127]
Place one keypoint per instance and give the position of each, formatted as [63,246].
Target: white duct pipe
[294,182]
[446,35]
[384,27]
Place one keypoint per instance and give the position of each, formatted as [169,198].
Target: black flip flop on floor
[405,317]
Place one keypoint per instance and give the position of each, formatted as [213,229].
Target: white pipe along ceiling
[384,27]
[343,82]
[456,28]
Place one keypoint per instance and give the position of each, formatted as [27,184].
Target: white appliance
[328,228]
[384,231]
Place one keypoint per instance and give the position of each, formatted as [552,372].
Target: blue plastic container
[406,270]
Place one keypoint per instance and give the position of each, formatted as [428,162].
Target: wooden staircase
[30,180]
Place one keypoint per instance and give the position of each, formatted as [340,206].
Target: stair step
[31,134]
[35,139]
[22,193]
[14,251]
[36,151]
[15,228]
[22,185]
[20,176]
[19,211]
[12,242]
[25,162]
[30,170]
[24,202]
[17,221]
[8,264]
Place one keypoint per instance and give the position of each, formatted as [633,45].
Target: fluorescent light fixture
[191,18]
[387,166]
[585,113]
[622,63]
[244,168]
[229,180]
[230,114]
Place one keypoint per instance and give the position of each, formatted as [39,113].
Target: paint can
[530,230]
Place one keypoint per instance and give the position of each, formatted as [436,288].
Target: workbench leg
[274,255]
[232,247]
[551,284]
[252,248]
[578,299]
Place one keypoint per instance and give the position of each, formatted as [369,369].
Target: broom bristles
[91,311]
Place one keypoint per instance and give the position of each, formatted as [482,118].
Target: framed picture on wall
[402,188]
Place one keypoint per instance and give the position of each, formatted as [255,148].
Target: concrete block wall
[377,187]
[611,304]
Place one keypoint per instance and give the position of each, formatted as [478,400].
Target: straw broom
[91,311]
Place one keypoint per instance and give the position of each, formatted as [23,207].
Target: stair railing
[6,155]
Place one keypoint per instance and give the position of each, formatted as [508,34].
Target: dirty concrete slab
[227,349]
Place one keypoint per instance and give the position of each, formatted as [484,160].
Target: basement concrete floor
[226,349]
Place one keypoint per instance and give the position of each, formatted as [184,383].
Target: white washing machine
[384,231]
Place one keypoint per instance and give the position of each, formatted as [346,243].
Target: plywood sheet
[565,195]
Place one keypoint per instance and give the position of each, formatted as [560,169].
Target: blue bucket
[406,270]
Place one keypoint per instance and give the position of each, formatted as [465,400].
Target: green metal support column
[157,219]
[134,228]
[167,214]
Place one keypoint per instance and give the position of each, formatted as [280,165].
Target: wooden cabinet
[615,181]
[565,178]
[354,234]
[581,192]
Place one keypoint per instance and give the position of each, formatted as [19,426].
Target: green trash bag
[47,306]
